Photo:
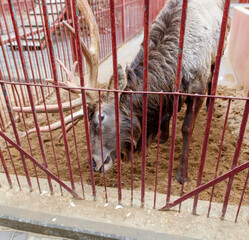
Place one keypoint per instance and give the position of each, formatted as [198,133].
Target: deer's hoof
[179,177]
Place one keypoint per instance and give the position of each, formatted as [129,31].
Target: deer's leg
[164,135]
[185,135]
[209,87]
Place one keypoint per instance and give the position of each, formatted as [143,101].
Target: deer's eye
[102,116]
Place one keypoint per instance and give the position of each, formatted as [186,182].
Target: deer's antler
[77,115]
[70,84]
[92,57]
[86,11]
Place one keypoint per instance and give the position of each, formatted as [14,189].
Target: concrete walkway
[12,234]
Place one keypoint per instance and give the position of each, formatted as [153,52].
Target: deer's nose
[94,165]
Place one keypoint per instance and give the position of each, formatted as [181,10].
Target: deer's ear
[122,81]
[91,109]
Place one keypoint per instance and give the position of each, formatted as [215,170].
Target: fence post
[212,100]
[123,21]
[70,17]
[115,77]
[145,96]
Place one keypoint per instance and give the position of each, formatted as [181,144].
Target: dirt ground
[195,151]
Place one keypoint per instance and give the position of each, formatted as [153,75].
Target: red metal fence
[22,79]
[244,1]
[5,9]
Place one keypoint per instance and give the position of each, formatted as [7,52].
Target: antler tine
[50,108]
[86,11]
[70,74]
[71,81]
[84,48]
[77,115]
[69,127]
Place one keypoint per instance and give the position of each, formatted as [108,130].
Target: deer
[199,56]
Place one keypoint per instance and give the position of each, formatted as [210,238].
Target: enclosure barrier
[22,77]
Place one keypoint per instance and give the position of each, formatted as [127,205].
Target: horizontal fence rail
[55,123]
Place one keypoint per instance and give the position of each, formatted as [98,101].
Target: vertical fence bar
[25,127]
[158,142]
[94,5]
[236,156]
[76,145]
[205,186]
[39,37]
[220,150]
[109,35]
[65,35]
[100,24]
[32,35]
[24,67]
[242,195]
[123,21]
[115,77]
[12,51]
[51,52]
[8,70]
[41,166]
[41,89]
[106,27]
[45,45]
[5,169]
[101,145]
[211,103]
[70,17]
[51,137]
[101,21]
[29,55]
[105,21]
[188,144]
[3,111]
[83,94]
[53,30]
[145,96]
[2,125]
[59,26]
[132,149]
[13,165]
[83,31]
[15,132]
[176,97]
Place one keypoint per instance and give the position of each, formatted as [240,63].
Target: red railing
[5,8]
[22,79]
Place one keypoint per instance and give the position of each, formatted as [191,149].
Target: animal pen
[41,40]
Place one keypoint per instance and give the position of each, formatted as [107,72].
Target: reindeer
[199,53]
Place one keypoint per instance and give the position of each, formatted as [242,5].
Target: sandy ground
[227,154]
[194,153]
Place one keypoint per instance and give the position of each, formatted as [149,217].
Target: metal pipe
[115,77]
[145,97]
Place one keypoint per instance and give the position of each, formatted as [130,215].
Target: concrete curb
[73,228]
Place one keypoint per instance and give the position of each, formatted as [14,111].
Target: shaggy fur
[200,48]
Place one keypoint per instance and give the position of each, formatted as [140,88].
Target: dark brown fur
[163,52]
[163,58]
